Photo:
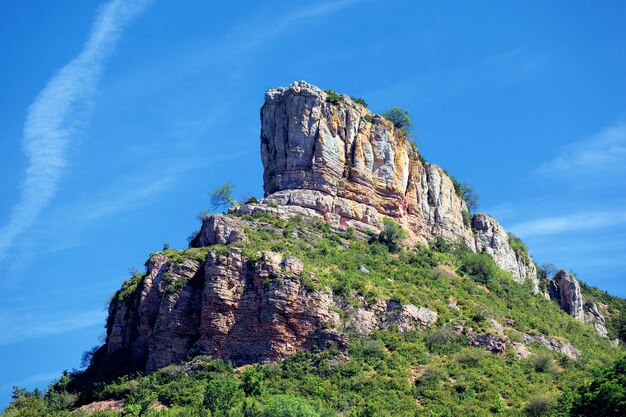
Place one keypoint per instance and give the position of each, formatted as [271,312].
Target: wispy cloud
[56,114]
[602,153]
[24,326]
[569,223]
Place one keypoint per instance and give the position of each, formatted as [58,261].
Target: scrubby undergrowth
[432,373]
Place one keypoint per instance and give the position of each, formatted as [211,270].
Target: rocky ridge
[332,161]
[353,168]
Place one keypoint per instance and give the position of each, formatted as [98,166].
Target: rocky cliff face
[353,168]
[494,240]
[565,290]
[222,306]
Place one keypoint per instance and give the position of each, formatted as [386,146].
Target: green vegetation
[359,100]
[332,97]
[431,373]
[222,197]
[519,247]
[392,235]
[466,192]
[129,287]
[604,396]
[368,118]
[400,119]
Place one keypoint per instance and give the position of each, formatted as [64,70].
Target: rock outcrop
[340,162]
[565,290]
[386,314]
[352,167]
[223,307]
[494,240]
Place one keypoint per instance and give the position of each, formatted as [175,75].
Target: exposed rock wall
[221,307]
[353,167]
[494,240]
[565,290]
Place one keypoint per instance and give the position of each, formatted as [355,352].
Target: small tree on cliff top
[222,197]
[400,118]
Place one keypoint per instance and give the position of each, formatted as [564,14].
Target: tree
[392,235]
[400,118]
[469,195]
[282,405]
[223,196]
[548,268]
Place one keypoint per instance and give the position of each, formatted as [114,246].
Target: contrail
[53,118]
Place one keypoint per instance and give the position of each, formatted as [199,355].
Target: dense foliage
[400,119]
[432,373]
[332,97]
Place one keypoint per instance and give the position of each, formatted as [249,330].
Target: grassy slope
[389,373]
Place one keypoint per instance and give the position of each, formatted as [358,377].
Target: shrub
[221,395]
[444,340]
[288,406]
[470,196]
[392,235]
[518,247]
[480,267]
[538,405]
[332,97]
[543,363]
[359,100]
[606,395]
[368,118]
[400,118]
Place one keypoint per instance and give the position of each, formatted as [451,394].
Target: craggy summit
[334,162]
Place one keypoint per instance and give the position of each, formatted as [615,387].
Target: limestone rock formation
[352,167]
[494,240]
[565,290]
[385,314]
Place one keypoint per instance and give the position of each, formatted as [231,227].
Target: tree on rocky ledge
[222,197]
[400,118]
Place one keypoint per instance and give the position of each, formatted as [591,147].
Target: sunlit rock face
[352,167]
[564,288]
[494,240]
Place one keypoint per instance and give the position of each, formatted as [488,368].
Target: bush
[400,118]
[221,395]
[288,406]
[359,100]
[606,395]
[470,196]
[444,340]
[392,235]
[545,364]
[479,266]
[332,97]
[519,247]
[539,405]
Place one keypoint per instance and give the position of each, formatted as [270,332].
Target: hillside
[360,285]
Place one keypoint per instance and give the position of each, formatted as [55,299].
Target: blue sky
[117,117]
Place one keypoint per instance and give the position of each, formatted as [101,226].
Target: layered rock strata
[352,168]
